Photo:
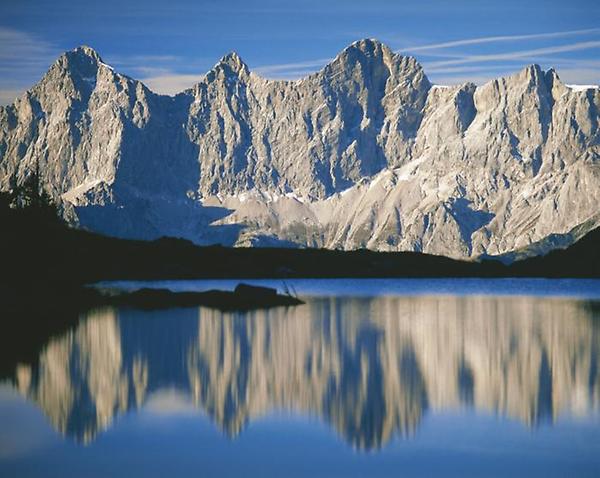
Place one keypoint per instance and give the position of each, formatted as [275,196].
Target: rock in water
[244,297]
[365,153]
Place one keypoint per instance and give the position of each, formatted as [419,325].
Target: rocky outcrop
[364,153]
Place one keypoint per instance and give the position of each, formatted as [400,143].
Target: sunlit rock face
[371,368]
[364,153]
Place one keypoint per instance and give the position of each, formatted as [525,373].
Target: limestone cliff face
[364,153]
[371,368]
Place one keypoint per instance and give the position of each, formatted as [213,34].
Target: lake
[451,377]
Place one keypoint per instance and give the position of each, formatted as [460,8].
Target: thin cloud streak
[292,71]
[8,96]
[473,69]
[580,76]
[518,54]
[22,57]
[499,38]
[286,68]
[21,46]
[165,74]
[589,69]
[171,84]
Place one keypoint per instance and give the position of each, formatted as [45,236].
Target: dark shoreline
[39,249]
[78,257]
[46,265]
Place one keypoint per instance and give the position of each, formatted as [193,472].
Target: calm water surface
[368,378]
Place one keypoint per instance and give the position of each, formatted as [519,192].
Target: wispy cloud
[521,54]
[498,39]
[136,62]
[458,63]
[22,57]
[163,74]
[171,84]
[16,45]
[472,69]
[291,70]
[460,79]
[452,66]
[8,96]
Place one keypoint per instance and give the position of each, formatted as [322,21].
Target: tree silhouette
[29,195]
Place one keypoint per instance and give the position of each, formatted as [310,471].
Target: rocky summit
[365,153]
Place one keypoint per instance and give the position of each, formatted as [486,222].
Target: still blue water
[368,378]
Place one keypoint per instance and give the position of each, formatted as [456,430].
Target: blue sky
[170,44]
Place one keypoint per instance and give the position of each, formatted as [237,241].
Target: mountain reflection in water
[369,367]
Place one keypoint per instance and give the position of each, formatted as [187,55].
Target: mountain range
[366,153]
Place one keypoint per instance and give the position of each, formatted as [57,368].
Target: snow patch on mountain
[583,87]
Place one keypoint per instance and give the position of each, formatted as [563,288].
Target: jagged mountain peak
[374,51]
[552,73]
[532,75]
[369,46]
[88,51]
[232,64]
[83,59]
[374,62]
[533,69]
[553,79]
[81,63]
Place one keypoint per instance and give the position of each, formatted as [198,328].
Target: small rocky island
[244,297]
